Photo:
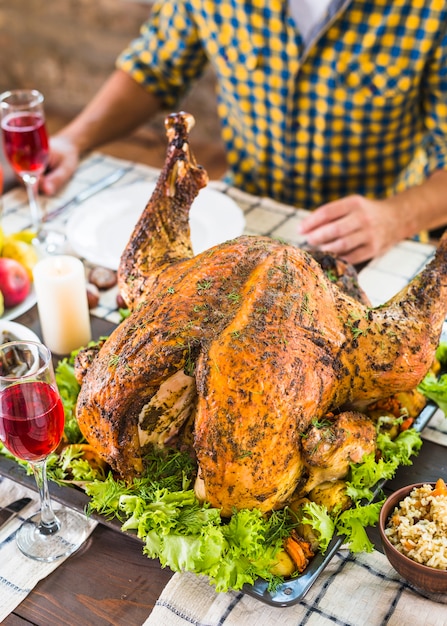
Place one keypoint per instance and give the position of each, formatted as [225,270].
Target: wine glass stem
[49,523]
[32,188]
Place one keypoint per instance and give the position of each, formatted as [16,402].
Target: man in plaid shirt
[336,106]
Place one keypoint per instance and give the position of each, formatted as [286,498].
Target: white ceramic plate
[20,309]
[11,331]
[100,228]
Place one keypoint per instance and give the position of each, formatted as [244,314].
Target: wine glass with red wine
[25,142]
[31,427]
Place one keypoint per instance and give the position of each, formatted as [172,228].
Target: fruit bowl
[422,577]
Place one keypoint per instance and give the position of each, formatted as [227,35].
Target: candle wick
[59,267]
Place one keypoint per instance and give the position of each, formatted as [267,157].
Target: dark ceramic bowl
[422,577]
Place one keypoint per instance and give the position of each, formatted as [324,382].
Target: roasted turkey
[247,348]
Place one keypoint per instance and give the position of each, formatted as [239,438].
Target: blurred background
[67,48]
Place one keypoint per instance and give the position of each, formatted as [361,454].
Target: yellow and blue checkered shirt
[360,108]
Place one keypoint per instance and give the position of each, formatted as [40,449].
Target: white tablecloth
[18,573]
[352,591]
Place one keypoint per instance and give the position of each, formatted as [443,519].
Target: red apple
[15,283]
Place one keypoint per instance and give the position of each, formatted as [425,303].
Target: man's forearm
[118,108]
[423,207]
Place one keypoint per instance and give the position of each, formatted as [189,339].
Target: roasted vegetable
[332,495]
[284,565]
[299,550]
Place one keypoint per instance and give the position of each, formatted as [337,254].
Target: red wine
[26,142]
[31,420]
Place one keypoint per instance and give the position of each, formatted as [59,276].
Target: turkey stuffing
[242,351]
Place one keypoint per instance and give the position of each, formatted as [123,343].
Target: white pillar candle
[61,293]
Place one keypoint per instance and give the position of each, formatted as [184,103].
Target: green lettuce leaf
[352,523]
[199,553]
[186,534]
[435,388]
[69,389]
[318,518]
[364,476]
[441,352]
[105,496]
[406,444]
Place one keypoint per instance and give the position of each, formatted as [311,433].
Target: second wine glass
[25,143]
[31,427]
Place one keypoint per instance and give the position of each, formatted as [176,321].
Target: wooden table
[110,581]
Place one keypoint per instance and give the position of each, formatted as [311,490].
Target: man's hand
[64,159]
[119,107]
[355,228]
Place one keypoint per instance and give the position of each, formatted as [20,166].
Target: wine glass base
[50,241]
[70,536]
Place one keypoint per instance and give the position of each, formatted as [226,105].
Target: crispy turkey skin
[251,343]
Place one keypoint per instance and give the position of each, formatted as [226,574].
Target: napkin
[360,591]
[436,429]
[18,573]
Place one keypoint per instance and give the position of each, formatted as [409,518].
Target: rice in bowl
[418,526]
